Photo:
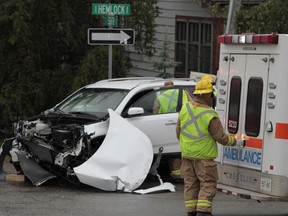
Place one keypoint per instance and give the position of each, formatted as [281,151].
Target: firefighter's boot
[192,214]
[204,214]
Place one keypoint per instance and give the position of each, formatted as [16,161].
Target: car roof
[132,82]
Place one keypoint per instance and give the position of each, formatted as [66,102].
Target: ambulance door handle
[269,126]
[264,59]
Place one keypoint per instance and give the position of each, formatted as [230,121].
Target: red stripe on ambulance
[254,143]
[281,131]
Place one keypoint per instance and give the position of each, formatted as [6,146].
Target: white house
[192,31]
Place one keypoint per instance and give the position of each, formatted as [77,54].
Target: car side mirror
[135,111]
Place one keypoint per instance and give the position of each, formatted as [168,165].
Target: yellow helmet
[203,87]
[209,78]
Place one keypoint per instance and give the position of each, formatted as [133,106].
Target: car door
[159,127]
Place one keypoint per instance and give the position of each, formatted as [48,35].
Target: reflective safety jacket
[195,140]
[168,100]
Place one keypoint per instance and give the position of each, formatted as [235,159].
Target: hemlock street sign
[102,36]
[111,36]
[107,9]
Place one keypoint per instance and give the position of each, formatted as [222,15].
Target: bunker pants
[200,183]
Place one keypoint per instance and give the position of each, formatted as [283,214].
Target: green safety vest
[195,140]
[169,100]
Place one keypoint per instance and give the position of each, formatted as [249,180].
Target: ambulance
[252,103]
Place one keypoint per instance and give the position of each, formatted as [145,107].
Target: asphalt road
[62,199]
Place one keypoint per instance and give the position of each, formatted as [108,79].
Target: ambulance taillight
[248,39]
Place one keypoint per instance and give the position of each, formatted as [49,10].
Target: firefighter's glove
[241,143]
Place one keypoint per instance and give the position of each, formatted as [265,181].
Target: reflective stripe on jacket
[169,100]
[195,140]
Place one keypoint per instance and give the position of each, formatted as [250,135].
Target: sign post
[110,52]
[111,36]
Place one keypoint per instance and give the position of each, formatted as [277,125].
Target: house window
[193,46]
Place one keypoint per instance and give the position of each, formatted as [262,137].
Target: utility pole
[110,50]
[234,7]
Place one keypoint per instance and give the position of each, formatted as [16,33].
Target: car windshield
[93,101]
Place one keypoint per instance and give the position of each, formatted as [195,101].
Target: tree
[44,53]
[269,16]
[266,17]
[90,70]
[143,21]
[164,64]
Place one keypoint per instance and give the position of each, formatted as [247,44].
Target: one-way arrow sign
[102,36]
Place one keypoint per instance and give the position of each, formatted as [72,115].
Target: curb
[14,178]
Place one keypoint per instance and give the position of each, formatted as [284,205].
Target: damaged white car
[104,135]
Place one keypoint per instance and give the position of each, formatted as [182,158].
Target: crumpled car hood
[48,148]
[123,160]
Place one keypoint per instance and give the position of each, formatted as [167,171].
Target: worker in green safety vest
[198,129]
[167,102]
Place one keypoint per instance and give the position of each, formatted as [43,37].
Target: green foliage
[164,64]
[269,16]
[92,70]
[44,54]
[36,43]
[214,8]
[143,21]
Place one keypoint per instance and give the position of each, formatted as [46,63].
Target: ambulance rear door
[247,78]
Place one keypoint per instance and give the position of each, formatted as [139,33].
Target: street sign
[110,21]
[108,9]
[103,36]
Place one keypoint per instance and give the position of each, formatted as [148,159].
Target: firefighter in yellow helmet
[209,78]
[198,129]
[213,82]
